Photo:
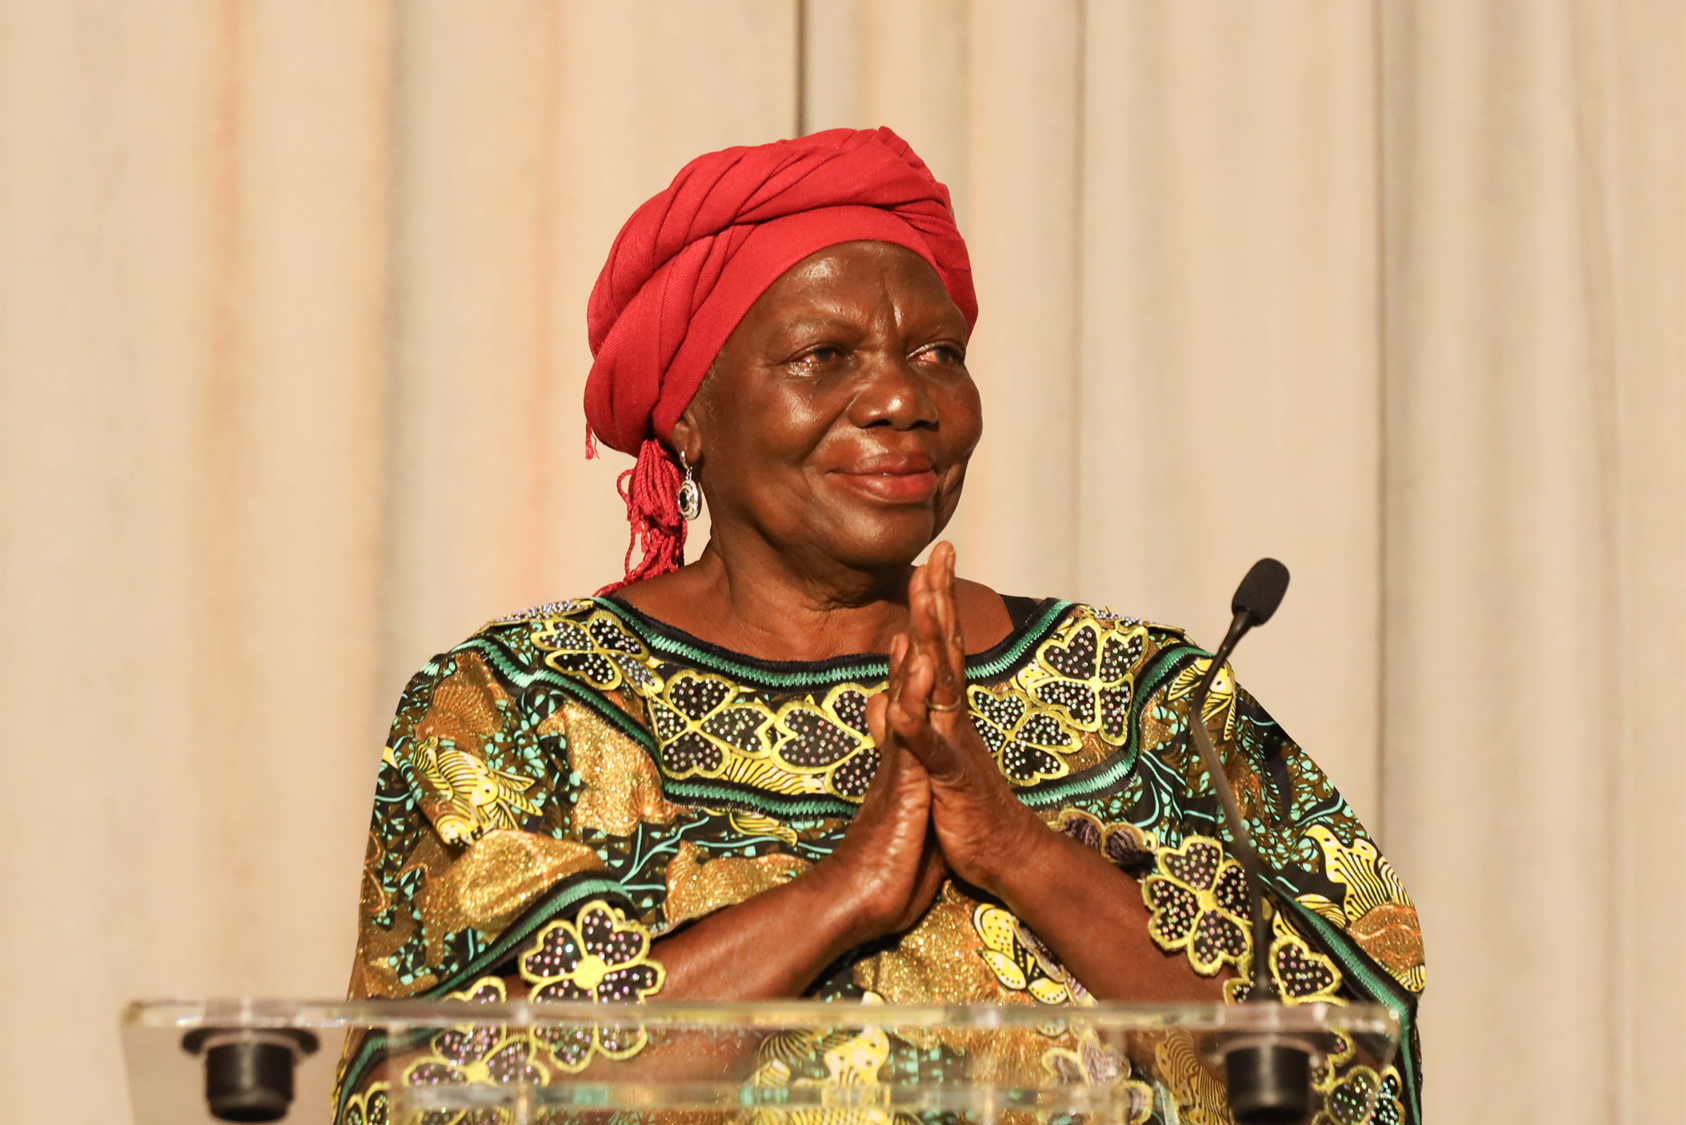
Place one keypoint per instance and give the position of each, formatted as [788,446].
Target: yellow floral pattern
[599,650]
[476,1055]
[1087,674]
[477,796]
[372,1106]
[1089,1062]
[1220,702]
[829,740]
[1129,848]
[1358,1095]
[1019,961]
[1374,908]
[1302,975]
[1079,681]
[1200,1097]
[850,1057]
[599,956]
[1028,742]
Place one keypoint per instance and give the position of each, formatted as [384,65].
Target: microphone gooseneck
[1268,1077]
[1254,603]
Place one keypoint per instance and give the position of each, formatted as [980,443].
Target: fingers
[878,798]
[948,615]
[910,696]
[876,725]
[936,624]
[908,721]
[928,668]
[896,683]
[896,713]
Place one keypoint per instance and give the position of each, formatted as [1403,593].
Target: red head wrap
[689,263]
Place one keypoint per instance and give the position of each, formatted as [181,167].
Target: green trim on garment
[1099,778]
[711,792]
[525,676]
[570,894]
[1161,667]
[694,790]
[1374,982]
[797,675]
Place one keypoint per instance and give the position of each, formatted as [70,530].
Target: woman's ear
[686,437]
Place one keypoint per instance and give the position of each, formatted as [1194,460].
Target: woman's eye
[945,354]
[823,356]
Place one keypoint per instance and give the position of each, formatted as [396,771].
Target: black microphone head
[1261,591]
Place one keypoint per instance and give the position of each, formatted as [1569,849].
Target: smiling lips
[908,479]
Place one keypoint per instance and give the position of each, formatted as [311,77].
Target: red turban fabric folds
[690,262]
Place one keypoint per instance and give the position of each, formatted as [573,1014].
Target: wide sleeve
[478,884]
[1344,927]
[474,848]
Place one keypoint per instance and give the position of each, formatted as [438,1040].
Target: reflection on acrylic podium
[778,1063]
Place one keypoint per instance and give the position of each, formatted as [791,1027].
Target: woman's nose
[892,393]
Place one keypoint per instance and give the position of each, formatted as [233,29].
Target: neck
[754,599]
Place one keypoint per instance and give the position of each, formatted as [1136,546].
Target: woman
[800,765]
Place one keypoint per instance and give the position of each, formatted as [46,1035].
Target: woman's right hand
[888,865]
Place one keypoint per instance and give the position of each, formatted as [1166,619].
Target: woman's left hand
[983,828]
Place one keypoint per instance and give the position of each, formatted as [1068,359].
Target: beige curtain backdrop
[291,352]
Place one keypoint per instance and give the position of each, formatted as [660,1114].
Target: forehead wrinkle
[902,284]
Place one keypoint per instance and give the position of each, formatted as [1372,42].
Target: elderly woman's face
[839,416]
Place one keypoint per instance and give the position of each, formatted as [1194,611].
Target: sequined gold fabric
[495,879]
[696,888]
[938,958]
[619,785]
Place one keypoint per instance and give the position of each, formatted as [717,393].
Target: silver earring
[690,496]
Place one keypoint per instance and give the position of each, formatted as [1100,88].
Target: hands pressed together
[938,804]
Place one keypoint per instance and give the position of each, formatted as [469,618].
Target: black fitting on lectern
[1269,1082]
[249,1072]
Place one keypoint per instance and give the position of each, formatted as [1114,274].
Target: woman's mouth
[892,479]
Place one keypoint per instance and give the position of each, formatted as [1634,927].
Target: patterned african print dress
[580,777]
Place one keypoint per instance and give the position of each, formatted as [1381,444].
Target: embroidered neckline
[1004,657]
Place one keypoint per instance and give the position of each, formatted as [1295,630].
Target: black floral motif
[1128,847]
[1198,898]
[700,720]
[473,1055]
[830,738]
[1022,737]
[600,956]
[1089,1062]
[1087,675]
[600,651]
[371,1107]
[1302,974]
[1360,1096]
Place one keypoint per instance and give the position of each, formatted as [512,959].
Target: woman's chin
[889,540]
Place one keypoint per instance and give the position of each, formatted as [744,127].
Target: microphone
[1268,1077]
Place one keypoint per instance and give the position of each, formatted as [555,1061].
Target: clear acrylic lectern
[779,1063]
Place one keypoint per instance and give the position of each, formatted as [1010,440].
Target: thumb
[877,710]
